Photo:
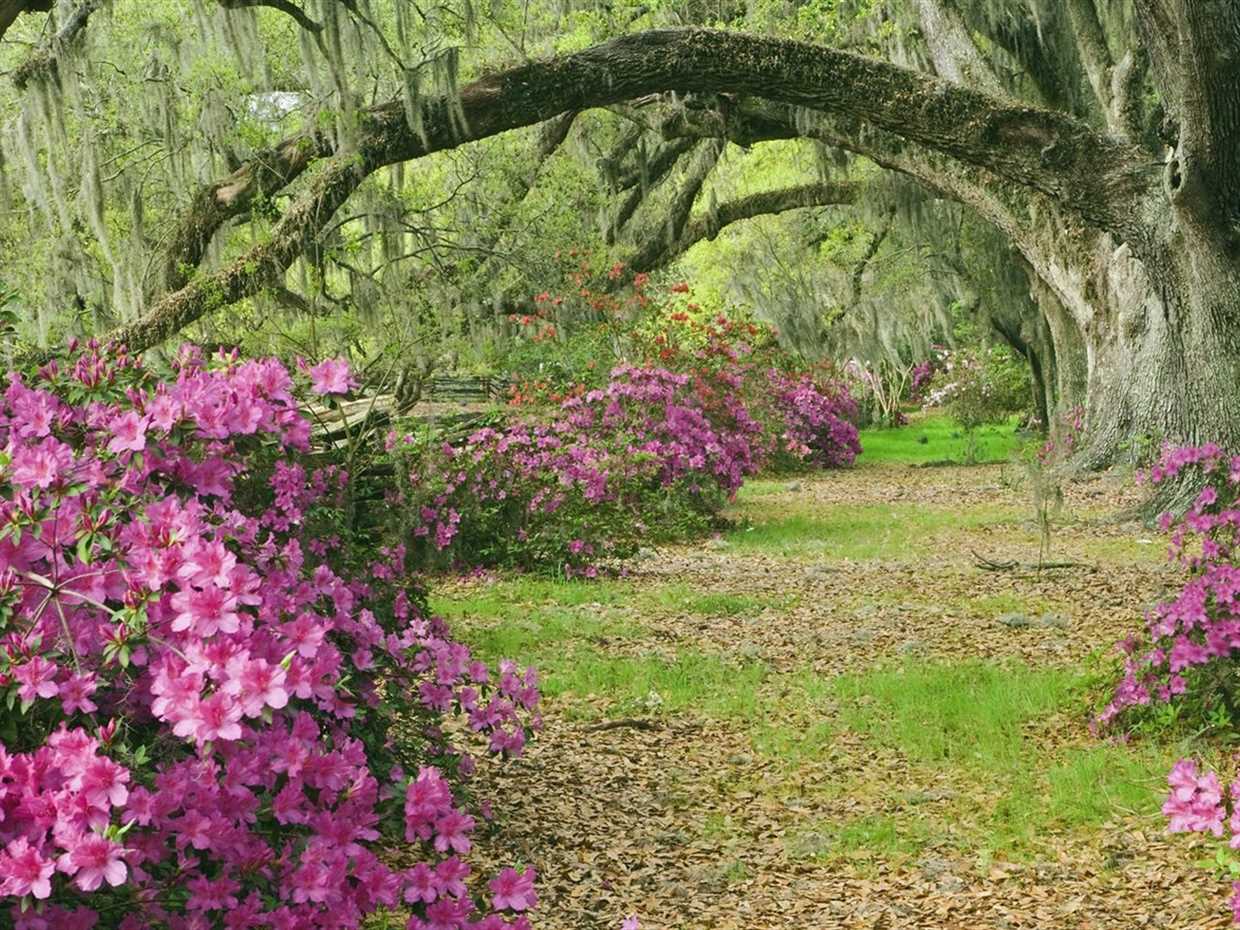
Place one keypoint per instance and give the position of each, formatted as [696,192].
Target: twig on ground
[636,723]
[990,565]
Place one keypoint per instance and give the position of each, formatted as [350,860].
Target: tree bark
[11,9]
[767,203]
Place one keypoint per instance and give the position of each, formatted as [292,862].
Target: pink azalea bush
[218,709]
[1190,639]
[650,456]
[1184,662]
[818,420]
[638,459]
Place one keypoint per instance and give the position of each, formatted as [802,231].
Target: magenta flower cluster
[653,454]
[1192,640]
[1197,803]
[205,690]
[818,422]
[1201,624]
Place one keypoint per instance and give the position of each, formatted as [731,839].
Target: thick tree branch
[1093,176]
[609,165]
[1110,82]
[257,268]
[284,6]
[42,63]
[650,174]
[265,175]
[708,225]
[11,9]
[669,232]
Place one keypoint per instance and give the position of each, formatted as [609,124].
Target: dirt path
[795,803]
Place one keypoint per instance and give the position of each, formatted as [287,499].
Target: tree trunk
[1164,362]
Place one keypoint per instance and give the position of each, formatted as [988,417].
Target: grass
[865,837]
[936,439]
[968,713]
[693,682]
[562,627]
[994,729]
[870,531]
[1005,741]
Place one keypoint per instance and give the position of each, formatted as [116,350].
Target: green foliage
[966,713]
[987,386]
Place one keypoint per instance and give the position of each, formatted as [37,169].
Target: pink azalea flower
[216,718]
[93,860]
[40,466]
[256,684]
[25,871]
[513,891]
[128,433]
[452,832]
[332,376]
[630,923]
[102,782]
[205,611]
[37,679]
[75,693]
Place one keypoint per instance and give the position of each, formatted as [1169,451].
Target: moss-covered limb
[257,268]
[1090,174]
[647,177]
[11,9]
[263,176]
[296,13]
[665,235]
[1099,179]
[765,203]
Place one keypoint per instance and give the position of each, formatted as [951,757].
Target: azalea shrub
[817,417]
[647,457]
[222,701]
[1185,660]
[598,459]
[1182,668]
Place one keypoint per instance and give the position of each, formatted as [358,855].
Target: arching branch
[283,6]
[1101,180]
[766,203]
[648,176]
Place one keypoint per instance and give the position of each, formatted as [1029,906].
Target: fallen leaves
[679,819]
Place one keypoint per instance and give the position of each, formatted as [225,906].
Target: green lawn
[937,439]
[861,531]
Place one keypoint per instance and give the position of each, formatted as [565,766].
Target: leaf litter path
[777,814]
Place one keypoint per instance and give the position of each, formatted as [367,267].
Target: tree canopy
[400,175]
